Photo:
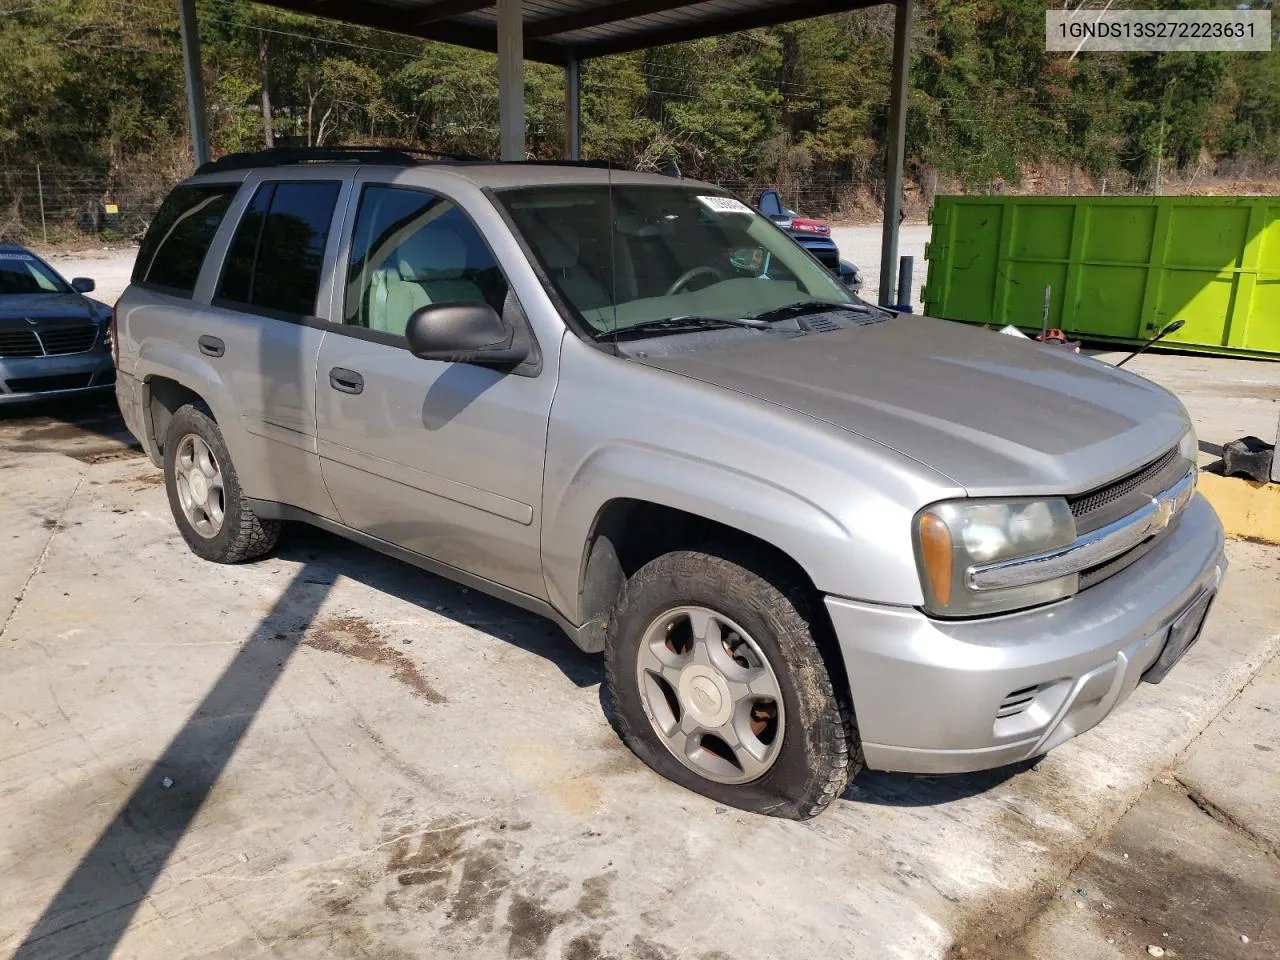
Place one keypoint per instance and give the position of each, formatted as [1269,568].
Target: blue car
[53,339]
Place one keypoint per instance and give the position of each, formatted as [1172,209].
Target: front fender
[736,499]
[826,543]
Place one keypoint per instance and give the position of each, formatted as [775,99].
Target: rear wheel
[204,492]
[718,683]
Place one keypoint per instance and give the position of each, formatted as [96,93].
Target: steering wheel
[688,275]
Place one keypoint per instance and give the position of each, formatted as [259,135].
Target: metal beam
[449,8]
[511,79]
[597,16]
[195,81]
[572,110]
[895,156]
[769,16]
[394,20]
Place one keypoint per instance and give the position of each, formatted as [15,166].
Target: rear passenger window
[175,246]
[273,264]
[411,248]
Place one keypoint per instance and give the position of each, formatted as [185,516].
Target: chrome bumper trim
[1091,550]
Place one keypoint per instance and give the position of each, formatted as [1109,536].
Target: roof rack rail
[386,156]
[286,156]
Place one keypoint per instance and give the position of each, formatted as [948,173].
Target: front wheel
[717,682]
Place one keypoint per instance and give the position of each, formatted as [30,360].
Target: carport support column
[572,109]
[897,146]
[195,80]
[511,78]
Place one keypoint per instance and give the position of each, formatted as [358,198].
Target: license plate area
[1183,633]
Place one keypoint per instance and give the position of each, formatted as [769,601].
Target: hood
[19,306]
[998,415]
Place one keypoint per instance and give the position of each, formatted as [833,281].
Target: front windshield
[625,256]
[22,273]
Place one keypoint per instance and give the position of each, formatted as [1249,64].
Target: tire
[240,534]
[818,750]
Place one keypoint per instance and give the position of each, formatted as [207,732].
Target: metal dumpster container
[1118,268]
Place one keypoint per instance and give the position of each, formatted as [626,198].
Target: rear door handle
[211,346]
[346,381]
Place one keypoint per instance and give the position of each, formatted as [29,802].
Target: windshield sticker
[20,257]
[724,205]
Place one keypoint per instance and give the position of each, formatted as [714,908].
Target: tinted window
[179,238]
[275,257]
[411,249]
[237,272]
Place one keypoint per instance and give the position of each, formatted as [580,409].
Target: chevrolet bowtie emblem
[1163,514]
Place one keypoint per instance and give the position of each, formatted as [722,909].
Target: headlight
[953,538]
[1189,446]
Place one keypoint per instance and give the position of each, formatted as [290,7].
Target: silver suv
[807,534]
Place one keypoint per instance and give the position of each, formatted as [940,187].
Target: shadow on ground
[329,556]
[97,902]
[86,429]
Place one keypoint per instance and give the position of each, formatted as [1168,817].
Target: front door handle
[211,346]
[346,381]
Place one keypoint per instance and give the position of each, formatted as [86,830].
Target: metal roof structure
[557,30]
[565,32]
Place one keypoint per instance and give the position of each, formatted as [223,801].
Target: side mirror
[82,285]
[770,203]
[463,333]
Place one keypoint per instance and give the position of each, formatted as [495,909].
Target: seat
[560,252]
[436,258]
[428,267]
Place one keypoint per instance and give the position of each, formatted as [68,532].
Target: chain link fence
[61,205]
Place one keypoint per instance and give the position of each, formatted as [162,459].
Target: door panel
[270,367]
[444,459]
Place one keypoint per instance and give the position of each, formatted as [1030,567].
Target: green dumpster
[1118,268]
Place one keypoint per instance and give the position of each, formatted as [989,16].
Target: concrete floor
[330,754]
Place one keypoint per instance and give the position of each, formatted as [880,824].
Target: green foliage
[97,85]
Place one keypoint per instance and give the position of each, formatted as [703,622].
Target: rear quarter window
[176,244]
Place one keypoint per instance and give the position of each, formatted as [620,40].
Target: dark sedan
[53,339]
[813,235]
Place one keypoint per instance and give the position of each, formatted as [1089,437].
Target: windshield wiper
[803,307]
[686,323]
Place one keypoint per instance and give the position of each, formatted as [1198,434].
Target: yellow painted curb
[1247,509]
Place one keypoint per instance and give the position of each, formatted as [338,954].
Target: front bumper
[26,379]
[950,697]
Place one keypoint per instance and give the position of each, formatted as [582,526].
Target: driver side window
[411,249]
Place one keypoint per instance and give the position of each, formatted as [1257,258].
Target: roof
[556,30]
[482,173]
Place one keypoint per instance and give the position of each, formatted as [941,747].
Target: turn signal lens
[935,553]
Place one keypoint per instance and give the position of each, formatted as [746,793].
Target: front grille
[1016,702]
[19,343]
[60,341]
[1109,503]
[1113,566]
[71,381]
[54,340]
